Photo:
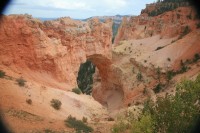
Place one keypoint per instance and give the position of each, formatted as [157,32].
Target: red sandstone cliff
[54,47]
[169,24]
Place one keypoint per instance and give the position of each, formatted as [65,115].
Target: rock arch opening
[85,77]
[98,77]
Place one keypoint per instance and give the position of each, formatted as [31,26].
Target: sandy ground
[40,115]
[155,51]
[151,53]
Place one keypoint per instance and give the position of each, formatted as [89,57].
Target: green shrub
[185,32]
[76,90]
[144,125]
[158,72]
[168,59]
[119,127]
[139,76]
[2,74]
[184,68]
[158,48]
[196,57]
[177,113]
[29,101]
[56,104]
[158,88]
[21,81]
[78,125]
[169,75]
[84,119]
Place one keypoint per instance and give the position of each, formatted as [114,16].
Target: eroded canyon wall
[55,47]
[168,24]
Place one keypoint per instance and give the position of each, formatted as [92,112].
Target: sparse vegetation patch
[56,104]
[84,119]
[139,76]
[2,74]
[169,75]
[21,82]
[185,32]
[158,88]
[29,101]
[158,48]
[78,125]
[76,90]
[196,57]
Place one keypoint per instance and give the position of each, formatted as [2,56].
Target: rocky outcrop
[57,48]
[169,24]
[54,47]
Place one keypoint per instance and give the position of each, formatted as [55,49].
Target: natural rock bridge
[59,47]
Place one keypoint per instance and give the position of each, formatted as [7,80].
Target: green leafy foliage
[2,74]
[144,125]
[119,127]
[21,82]
[79,125]
[85,77]
[124,123]
[56,104]
[179,113]
[169,75]
[76,90]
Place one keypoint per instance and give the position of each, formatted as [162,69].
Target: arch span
[109,91]
[55,49]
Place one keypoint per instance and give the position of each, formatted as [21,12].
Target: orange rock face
[57,48]
[168,24]
[54,47]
